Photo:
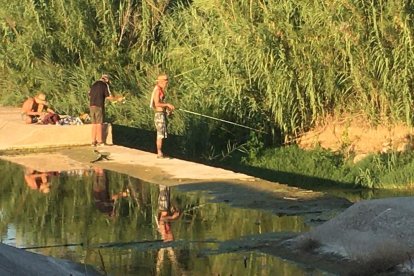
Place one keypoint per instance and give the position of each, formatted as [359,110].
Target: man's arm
[27,108]
[112,98]
[171,217]
[158,103]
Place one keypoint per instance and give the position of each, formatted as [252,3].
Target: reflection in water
[167,212]
[104,202]
[38,180]
[71,214]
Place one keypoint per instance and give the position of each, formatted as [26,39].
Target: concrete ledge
[15,134]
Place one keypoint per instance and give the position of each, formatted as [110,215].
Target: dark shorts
[160,121]
[97,115]
[34,119]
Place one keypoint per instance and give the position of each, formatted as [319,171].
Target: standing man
[161,109]
[97,94]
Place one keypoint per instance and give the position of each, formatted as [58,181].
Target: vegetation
[276,65]
[323,168]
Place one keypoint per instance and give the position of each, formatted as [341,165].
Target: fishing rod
[54,245]
[99,245]
[221,120]
[114,244]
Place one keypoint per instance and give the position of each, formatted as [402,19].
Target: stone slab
[15,261]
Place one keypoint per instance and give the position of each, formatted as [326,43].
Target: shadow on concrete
[175,147]
[291,179]
[133,138]
[144,140]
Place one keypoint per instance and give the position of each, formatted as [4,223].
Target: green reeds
[277,65]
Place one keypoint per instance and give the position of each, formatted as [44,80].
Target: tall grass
[277,65]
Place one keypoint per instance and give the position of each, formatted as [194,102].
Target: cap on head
[41,98]
[105,77]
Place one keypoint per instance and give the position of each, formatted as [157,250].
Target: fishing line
[221,120]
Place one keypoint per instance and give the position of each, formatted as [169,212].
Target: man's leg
[160,125]
[159,146]
[28,120]
[97,121]
[94,129]
[99,133]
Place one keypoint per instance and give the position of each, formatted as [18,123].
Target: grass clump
[321,167]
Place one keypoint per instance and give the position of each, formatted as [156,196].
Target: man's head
[162,80]
[105,78]
[40,98]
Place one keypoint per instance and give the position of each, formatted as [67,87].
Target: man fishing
[98,93]
[161,109]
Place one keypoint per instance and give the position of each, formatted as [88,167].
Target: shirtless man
[161,109]
[34,109]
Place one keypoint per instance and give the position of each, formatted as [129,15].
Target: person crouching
[35,108]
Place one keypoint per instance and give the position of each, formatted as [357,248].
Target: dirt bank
[354,135]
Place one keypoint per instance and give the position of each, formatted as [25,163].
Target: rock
[379,230]
[15,261]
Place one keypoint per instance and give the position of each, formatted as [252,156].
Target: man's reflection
[36,180]
[167,212]
[100,189]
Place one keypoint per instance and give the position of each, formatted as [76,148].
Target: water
[125,226]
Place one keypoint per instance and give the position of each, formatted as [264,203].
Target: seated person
[34,109]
